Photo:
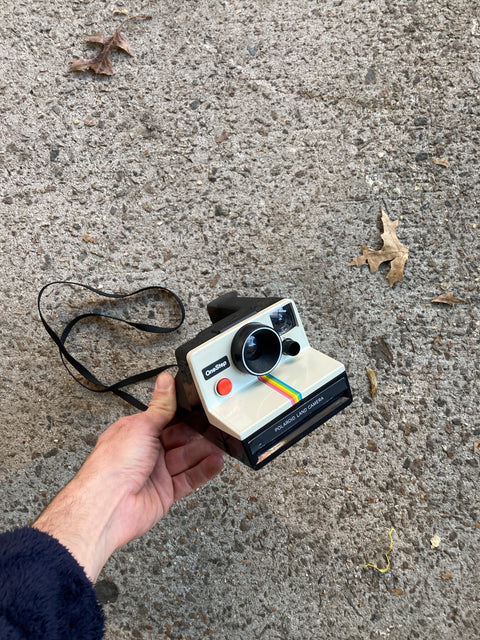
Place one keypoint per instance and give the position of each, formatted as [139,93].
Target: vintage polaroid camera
[260,384]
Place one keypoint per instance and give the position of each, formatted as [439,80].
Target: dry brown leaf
[447,576]
[398,592]
[393,251]
[447,298]
[221,137]
[102,64]
[89,238]
[475,446]
[442,162]
[372,376]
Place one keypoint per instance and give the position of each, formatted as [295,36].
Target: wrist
[78,518]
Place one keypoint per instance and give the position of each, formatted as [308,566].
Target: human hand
[137,470]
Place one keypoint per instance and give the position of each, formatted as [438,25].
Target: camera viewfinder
[283,319]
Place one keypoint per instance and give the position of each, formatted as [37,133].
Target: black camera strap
[70,362]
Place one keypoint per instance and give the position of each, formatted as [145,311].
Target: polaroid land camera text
[260,384]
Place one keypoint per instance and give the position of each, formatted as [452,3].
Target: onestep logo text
[215,368]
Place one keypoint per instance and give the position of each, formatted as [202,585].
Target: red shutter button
[224,387]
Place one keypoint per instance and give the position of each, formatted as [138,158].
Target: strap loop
[66,356]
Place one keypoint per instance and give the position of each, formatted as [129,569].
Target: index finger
[177,435]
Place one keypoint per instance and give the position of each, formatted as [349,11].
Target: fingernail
[164,382]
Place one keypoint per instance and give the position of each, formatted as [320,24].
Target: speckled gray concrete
[331,110]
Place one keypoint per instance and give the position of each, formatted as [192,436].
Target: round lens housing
[256,349]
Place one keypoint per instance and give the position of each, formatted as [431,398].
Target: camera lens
[251,348]
[256,349]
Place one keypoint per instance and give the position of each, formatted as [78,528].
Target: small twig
[374,566]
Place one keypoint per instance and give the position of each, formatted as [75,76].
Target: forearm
[78,518]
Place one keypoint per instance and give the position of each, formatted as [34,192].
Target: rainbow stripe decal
[281,387]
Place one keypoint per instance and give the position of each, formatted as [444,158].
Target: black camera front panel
[301,419]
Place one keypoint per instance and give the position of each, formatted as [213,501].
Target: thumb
[164,403]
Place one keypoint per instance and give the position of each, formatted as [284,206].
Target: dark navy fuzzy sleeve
[44,592]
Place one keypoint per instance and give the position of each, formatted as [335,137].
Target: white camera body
[260,384]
